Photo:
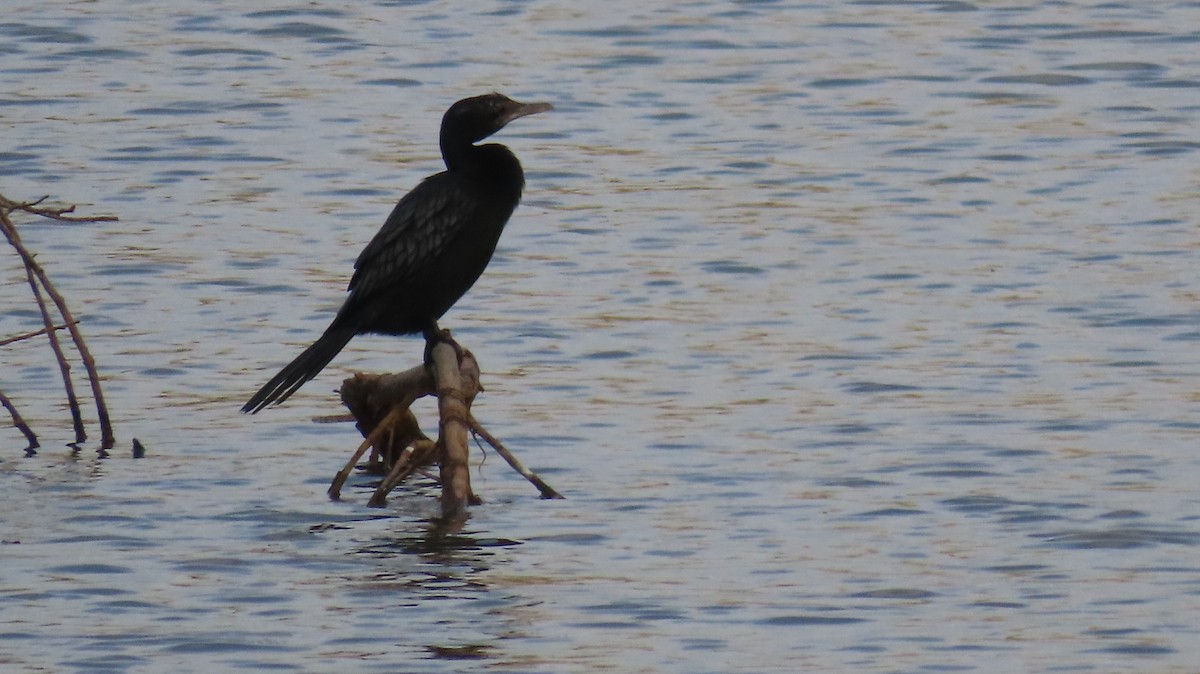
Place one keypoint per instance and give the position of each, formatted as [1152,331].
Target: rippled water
[859,337]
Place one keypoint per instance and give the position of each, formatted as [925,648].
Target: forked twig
[32,208]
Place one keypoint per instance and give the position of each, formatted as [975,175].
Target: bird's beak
[526,109]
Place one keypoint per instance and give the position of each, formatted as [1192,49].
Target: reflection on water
[858,338]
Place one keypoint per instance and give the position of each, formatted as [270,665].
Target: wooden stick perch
[380,404]
[455,395]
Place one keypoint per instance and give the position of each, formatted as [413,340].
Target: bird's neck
[459,153]
[456,152]
[492,162]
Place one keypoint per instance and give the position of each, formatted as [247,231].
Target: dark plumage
[432,248]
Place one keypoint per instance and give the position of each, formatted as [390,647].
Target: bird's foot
[436,335]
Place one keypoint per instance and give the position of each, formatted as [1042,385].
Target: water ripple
[858,335]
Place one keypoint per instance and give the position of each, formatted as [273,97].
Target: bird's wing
[420,224]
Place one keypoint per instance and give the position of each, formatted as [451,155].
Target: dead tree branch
[52,337]
[39,282]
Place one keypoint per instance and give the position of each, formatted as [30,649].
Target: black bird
[432,248]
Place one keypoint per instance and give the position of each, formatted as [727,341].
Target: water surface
[860,338]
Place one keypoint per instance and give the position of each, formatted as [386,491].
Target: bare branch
[36,275]
[20,424]
[547,490]
[32,208]
[52,336]
[29,335]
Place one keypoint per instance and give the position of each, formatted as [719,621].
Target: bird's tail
[304,367]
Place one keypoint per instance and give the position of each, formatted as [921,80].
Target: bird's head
[473,119]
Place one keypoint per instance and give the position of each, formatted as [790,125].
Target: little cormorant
[433,246]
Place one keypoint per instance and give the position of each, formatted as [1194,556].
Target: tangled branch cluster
[42,288]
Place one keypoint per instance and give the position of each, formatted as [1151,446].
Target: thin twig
[31,207]
[384,426]
[19,423]
[29,335]
[411,459]
[547,490]
[393,478]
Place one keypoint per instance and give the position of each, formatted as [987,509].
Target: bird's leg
[433,334]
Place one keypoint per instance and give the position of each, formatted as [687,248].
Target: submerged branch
[19,424]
